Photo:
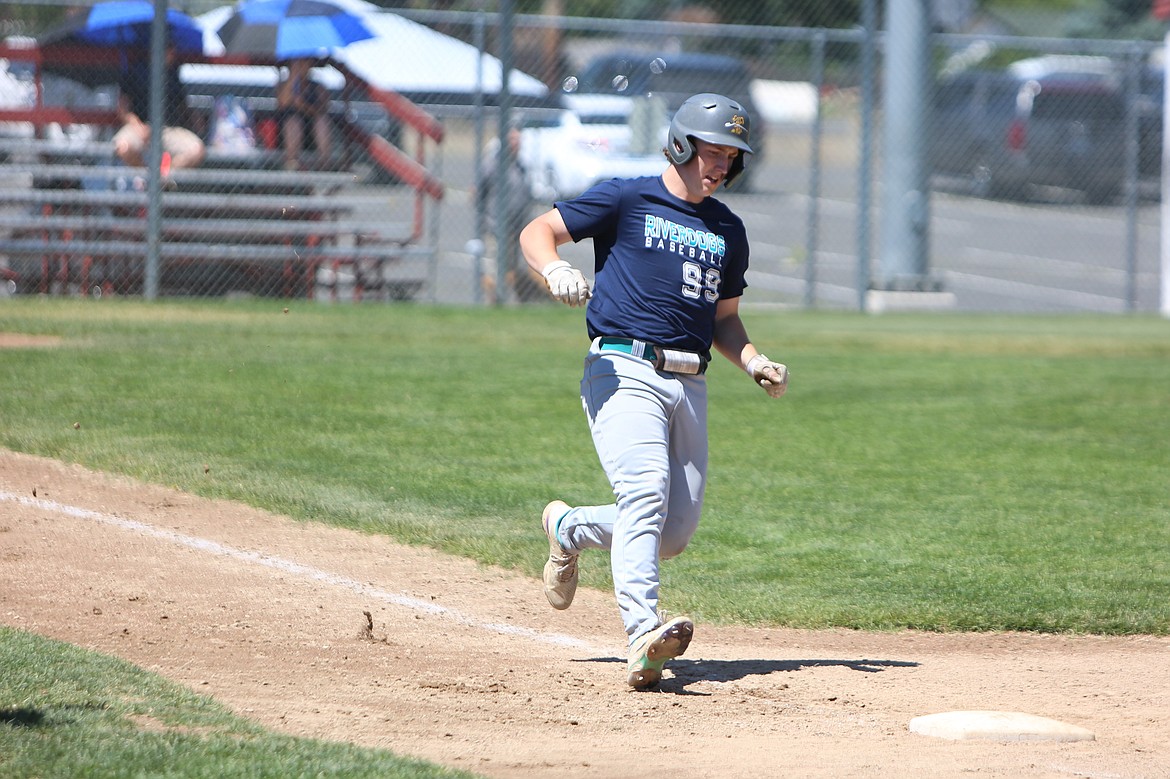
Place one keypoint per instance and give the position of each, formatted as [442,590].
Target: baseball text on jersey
[661,233]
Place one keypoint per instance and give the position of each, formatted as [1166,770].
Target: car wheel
[989,183]
[983,183]
[1102,194]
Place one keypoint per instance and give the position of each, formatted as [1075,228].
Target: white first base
[997,726]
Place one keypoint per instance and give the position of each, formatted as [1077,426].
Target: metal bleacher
[75,221]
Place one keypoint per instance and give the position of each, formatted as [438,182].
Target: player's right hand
[566,283]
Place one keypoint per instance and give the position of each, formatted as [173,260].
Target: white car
[592,139]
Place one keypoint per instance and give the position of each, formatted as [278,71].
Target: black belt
[664,359]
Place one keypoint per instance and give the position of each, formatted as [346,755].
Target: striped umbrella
[277,30]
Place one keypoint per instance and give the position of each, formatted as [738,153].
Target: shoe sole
[673,639]
[556,601]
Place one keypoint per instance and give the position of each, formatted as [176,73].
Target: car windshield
[602,118]
[1077,106]
[682,80]
[635,76]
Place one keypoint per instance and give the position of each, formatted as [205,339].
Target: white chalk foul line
[297,569]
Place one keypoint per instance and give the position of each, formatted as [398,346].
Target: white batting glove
[772,376]
[566,283]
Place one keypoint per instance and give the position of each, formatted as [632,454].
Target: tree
[1117,19]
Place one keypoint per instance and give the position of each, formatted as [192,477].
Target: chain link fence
[1039,159]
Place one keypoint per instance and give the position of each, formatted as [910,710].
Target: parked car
[673,78]
[1007,130]
[593,138]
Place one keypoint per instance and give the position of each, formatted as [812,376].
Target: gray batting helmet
[714,119]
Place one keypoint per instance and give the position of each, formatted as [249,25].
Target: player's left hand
[772,376]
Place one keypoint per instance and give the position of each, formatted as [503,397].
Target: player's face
[714,160]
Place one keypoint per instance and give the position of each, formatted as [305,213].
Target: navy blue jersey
[661,263]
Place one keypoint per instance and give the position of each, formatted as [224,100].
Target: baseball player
[669,263]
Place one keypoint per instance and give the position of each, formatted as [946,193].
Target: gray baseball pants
[650,432]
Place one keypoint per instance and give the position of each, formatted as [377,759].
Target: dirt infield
[326,633]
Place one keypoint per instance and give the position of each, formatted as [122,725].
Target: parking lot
[1058,254]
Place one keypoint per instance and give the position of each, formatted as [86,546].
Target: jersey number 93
[697,281]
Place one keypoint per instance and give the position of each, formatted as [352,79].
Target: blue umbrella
[287,29]
[124,24]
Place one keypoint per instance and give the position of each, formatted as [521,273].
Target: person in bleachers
[182,147]
[302,105]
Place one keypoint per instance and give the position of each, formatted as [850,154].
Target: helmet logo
[736,125]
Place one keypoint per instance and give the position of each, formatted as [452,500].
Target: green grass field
[938,472]
[927,471]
